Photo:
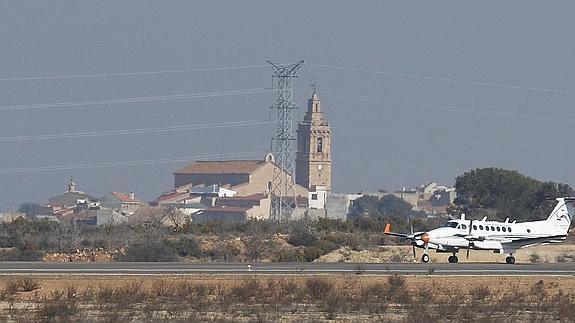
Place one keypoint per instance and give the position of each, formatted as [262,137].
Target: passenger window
[492,228]
[509,229]
[528,230]
[504,229]
[474,227]
[463,226]
[498,229]
[480,227]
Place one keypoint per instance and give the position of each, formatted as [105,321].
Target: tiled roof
[125,197]
[171,196]
[222,167]
[230,209]
[253,197]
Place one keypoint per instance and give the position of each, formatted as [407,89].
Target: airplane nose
[425,238]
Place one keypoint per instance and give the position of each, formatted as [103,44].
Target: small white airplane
[500,237]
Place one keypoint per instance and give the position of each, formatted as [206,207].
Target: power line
[451,108]
[392,163]
[173,71]
[135,131]
[124,163]
[445,79]
[134,99]
[377,131]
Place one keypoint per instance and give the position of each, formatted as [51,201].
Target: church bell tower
[313,158]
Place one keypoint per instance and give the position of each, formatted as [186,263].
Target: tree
[506,192]
[150,251]
[30,209]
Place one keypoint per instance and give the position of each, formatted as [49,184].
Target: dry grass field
[344,298]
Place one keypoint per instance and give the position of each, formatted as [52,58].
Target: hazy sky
[416,91]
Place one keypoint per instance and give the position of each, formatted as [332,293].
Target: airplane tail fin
[563,212]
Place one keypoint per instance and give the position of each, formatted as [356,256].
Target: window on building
[314,196]
[319,144]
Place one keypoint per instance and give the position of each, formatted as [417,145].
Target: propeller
[413,242]
[470,244]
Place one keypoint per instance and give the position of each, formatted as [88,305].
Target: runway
[221,268]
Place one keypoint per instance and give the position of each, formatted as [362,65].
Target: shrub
[318,287]
[188,247]
[312,253]
[480,292]
[396,287]
[161,288]
[534,258]
[332,304]
[302,234]
[149,252]
[248,288]
[22,285]
[17,254]
[60,309]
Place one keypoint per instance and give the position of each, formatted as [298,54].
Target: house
[72,199]
[187,194]
[242,184]
[338,205]
[256,205]
[99,217]
[124,203]
[443,196]
[246,177]
[318,198]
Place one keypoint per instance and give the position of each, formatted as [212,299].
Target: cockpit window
[451,225]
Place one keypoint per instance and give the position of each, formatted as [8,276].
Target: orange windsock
[387,228]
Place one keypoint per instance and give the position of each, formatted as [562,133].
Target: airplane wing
[528,242]
[523,242]
[387,231]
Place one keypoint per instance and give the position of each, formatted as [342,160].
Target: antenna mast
[283,196]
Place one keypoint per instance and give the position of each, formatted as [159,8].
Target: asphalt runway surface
[187,268]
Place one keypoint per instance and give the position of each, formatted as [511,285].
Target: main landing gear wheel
[452,259]
[510,260]
[425,258]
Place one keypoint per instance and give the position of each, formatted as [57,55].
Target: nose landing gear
[425,258]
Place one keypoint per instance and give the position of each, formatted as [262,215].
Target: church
[245,180]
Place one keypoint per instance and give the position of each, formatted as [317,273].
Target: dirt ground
[549,253]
